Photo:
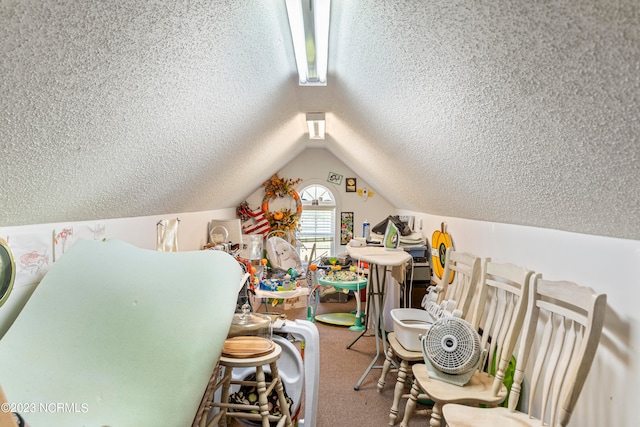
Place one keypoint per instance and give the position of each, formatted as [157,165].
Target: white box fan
[451,350]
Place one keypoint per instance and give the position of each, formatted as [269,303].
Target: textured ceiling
[517,112]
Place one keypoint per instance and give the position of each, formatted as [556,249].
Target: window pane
[317,195]
[317,222]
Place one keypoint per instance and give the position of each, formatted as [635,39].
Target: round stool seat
[243,362]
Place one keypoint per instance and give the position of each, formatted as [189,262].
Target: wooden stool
[264,388]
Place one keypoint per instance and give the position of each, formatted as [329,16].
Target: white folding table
[379,260]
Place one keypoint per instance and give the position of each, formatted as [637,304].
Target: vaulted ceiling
[520,112]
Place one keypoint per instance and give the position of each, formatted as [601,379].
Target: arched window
[317,222]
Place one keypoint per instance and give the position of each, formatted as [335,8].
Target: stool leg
[224,396]
[263,401]
[207,408]
[211,390]
[284,405]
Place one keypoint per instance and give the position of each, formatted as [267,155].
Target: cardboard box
[338,296]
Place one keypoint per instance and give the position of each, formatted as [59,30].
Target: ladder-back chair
[498,316]
[465,268]
[572,317]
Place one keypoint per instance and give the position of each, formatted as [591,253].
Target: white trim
[324,183]
[338,206]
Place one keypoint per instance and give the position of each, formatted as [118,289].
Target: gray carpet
[340,369]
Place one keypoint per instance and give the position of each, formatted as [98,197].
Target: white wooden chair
[573,317]
[466,267]
[498,316]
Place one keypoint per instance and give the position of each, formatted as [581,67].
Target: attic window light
[309,25]
[316,125]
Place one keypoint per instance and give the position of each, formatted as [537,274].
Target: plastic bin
[409,324]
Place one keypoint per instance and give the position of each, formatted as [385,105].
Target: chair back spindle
[500,313]
[571,318]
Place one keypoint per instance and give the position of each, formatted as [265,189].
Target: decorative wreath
[253,221]
[286,219]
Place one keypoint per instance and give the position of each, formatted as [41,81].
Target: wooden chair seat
[478,389]
[468,416]
[401,352]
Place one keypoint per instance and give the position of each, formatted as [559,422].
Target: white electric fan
[451,350]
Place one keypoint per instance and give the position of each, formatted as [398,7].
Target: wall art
[334,178]
[350,185]
[346,227]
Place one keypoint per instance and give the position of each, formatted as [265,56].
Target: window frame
[330,206]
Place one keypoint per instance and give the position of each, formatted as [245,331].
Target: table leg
[376,299]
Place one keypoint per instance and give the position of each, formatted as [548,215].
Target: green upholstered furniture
[119,336]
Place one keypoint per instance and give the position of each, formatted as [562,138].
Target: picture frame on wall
[350,185]
[334,178]
[346,227]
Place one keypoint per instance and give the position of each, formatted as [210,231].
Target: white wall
[313,166]
[608,265]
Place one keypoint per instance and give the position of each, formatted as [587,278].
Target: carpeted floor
[340,369]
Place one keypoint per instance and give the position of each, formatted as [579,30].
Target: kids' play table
[345,319]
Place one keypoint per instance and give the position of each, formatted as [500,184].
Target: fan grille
[452,345]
